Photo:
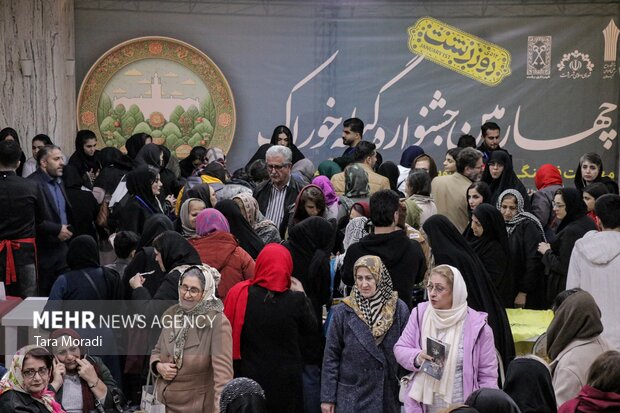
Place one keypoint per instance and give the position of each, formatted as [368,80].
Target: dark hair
[46,150]
[10,153]
[466,141]
[258,171]
[355,124]
[607,209]
[241,174]
[282,129]
[363,150]
[489,126]
[197,153]
[124,243]
[8,132]
[432,166]
[596,189]
[43,138]
[383,205]
[604,373]
[454,152]
[313,194]
[40,353]
[559,299]
[419,182]
[483,189]
[593,157]
[467,157]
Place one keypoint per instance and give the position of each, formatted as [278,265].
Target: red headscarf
[547,175]
[273,269]
[591,400]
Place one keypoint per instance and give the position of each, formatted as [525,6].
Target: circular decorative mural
[160,86]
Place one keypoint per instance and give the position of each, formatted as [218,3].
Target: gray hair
[45,151]
[194,272]
[285,152]
[467,157]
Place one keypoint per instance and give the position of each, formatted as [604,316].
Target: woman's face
[589,171]
[90,147]
[589,200]
[283,139]
[473,198]
[36,145]
[190,292]
[559,206]
[449,164]
[476,226]
[365,282]
[439,292]
[508,208]
[496,169]
[423,164]
[311,208]
[156,186]
[212,197]
[41,378]
[194,209]
[159,260]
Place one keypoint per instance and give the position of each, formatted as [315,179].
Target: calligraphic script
[459,51]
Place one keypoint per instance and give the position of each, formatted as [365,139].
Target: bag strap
[92,284]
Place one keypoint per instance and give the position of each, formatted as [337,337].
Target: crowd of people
[356,285]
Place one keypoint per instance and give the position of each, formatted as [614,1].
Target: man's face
[53,163]
[474,173]
[349,137]
[279,170]
[372,160]
[90,146]
[491,139]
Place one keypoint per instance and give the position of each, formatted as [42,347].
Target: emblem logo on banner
[538,57]
[459,51]
[576,65]
[610,34]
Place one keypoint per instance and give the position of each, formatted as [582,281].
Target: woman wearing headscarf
[477,193]
[31,165]
[150,155]
[331,198]
[419,202]
[524,234]
[426,162]
[281,136]
[193,361]
[186,222]
[469,365]
[83,217]
[548,180]
[590,194]
[573,342]
[356,186]
[391,172]
[264,228]
[303,171]
[239,227]
[201,191]
[85,158]
[449,247]
[492,400]
[310,202]
[135,143]
[528,383]
[243,395]
[11,134]
[114,166]
[329,169]
[220,249]
[404,166]
[192,161]
[170,183]
[590,170]
[24,388]
[499,174]
[268,320]
[143,187]
[355,230]
[362,331]
[491,246]
[569,207]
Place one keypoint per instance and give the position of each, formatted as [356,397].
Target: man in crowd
[490,140]
[595,265]
[54,230]
[20,205]
[366,157]
[276,195]
[403,257]
[352,131]
[450,191]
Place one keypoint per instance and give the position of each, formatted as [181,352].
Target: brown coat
[207,366]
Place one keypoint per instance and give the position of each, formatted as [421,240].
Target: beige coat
[450,195]
[570,368]
[207,366]
[376,182]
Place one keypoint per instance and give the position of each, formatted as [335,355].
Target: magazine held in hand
[438,350]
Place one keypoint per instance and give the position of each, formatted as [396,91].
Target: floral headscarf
[251,211]
[378,310]
[14,380]
[355,231]
[208,302]
[356,182]
[211,220]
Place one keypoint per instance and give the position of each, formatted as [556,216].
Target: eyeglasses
[558,206]
[193,291]
[438,288]
[30,373]
[277,167]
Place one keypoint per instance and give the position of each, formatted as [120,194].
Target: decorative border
[158,47]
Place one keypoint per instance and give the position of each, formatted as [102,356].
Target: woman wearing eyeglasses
[25,387]
[193,356]
[470,362]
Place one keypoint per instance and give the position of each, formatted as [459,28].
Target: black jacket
[14,401]
[50,225]
[262,193]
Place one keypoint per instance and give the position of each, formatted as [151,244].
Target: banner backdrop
[550,81]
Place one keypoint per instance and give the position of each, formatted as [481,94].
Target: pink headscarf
[211,220]
[327,188]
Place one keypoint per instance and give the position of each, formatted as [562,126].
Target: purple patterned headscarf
[211,220]
[326,186]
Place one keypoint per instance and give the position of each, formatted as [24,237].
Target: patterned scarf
[208,302]
[14,380]
[355,231]
[378,310]
[521,214]
[251,212]
[184,217]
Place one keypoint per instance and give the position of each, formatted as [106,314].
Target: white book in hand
[438,350]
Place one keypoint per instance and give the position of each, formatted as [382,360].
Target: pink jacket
[479,355]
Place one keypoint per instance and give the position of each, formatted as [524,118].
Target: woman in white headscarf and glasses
[470,362]
[193,356]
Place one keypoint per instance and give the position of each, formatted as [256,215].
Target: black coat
[262,193]
[270,346]
[403,258]
[14,401]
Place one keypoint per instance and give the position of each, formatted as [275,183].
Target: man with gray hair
[276,195]
[450,191]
